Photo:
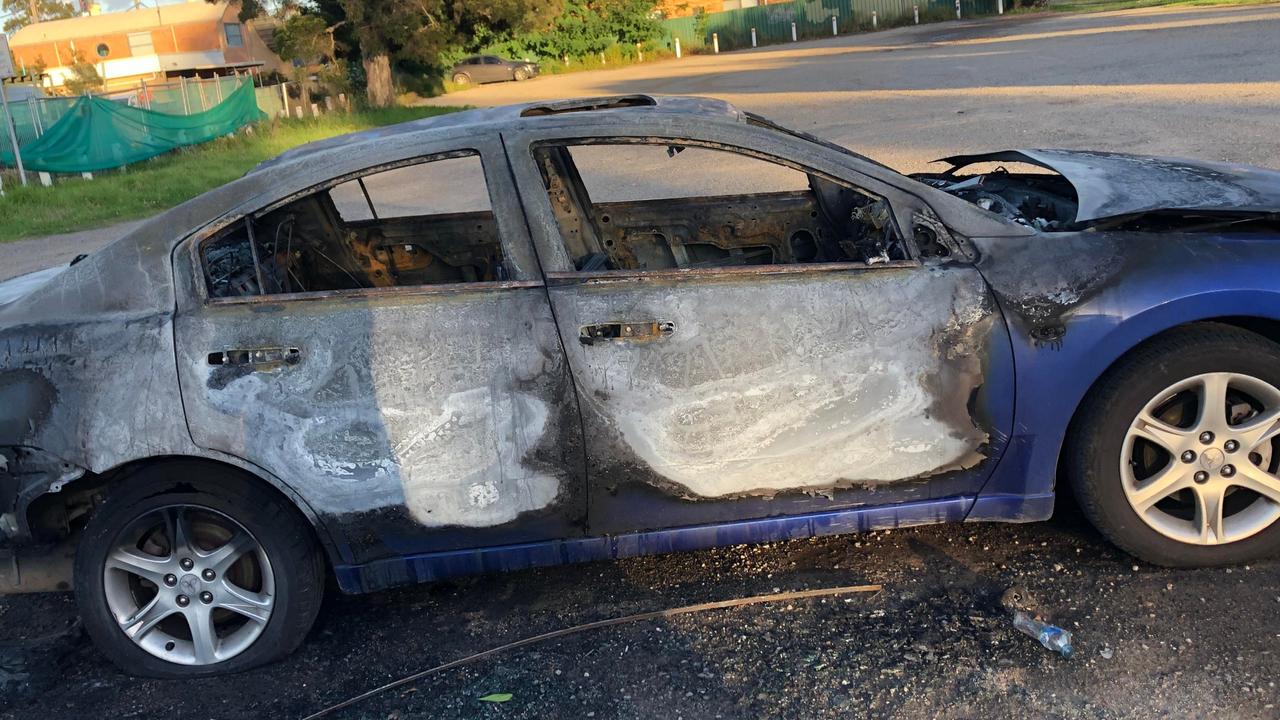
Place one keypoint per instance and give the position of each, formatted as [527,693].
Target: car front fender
[1077,304]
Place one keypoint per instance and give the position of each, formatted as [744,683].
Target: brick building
[191,39]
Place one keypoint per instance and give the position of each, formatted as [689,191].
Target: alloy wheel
[1198,462]
[189,585]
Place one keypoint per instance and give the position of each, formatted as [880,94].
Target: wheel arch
[1098,336]
[50,507]
[1264,326]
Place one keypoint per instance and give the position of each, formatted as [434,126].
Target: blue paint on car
[436,566]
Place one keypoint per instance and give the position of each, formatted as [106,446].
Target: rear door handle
[263,358]
[631,331]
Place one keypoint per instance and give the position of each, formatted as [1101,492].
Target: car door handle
[630,331]
[263,358]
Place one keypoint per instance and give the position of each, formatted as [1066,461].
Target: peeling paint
[820,384]
[398,402]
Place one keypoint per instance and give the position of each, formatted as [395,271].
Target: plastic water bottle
[1051,636]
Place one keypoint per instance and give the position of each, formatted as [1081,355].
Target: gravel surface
[935,642]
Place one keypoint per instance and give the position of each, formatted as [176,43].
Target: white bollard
[753,37]
[46,179]
[602,60]
[677,48]
[640,52]
[957,9]
[715,42]
[875,21]
[915,10]
[793,32]
[86,175]
[315,110]
[999,7]
[833,25]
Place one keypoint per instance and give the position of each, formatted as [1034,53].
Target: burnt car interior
[362,235]
[1041,200]
[658,227]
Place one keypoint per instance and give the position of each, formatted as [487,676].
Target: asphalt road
[936,641]
[1196,82]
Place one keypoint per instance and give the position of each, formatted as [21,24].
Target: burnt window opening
[424,224]
[661,206]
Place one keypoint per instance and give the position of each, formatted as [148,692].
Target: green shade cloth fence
[97,134]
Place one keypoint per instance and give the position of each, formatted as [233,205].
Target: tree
[84,77]
[305,39]
[25,12]
[425,31]
[586,27]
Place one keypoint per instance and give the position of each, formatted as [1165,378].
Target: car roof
[498,117]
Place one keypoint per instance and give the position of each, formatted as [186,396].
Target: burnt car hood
[1114,184]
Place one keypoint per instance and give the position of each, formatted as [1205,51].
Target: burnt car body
[583,380]
[491,68]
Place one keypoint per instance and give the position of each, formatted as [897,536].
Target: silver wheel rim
[189,585]
[1198,463]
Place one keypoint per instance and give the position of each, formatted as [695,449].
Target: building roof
[132,20]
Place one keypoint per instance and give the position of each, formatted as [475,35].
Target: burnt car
[491,68]
[600,328]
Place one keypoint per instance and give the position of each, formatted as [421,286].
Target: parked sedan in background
[608,327]
[491,68]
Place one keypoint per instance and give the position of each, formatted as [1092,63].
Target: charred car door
[753,337]
[371,343]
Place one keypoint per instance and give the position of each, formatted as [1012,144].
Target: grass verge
[149,187]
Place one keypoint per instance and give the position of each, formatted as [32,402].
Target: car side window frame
[566,272]
[508,238]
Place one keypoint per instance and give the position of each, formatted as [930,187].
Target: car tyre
[1119,476]
[521,74]
[231,529]
[461,79]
